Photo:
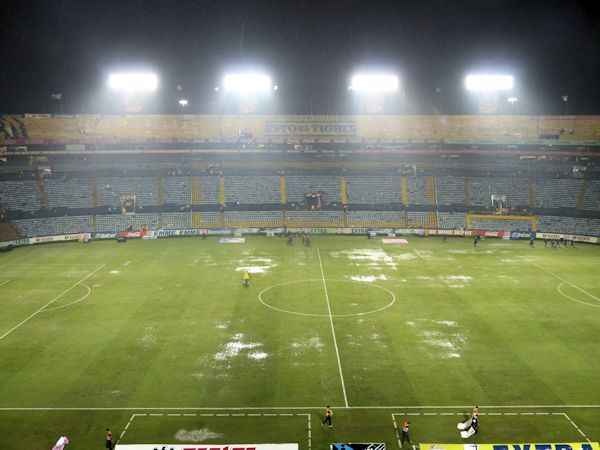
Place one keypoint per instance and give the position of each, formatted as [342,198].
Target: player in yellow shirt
[246,278]
[328,414]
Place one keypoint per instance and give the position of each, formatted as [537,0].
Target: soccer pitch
[160,341]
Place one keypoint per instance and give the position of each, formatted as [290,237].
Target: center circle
[293,297]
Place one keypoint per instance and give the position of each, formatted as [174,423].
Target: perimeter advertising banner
[528,446]
[207,447]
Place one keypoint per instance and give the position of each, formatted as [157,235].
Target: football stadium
[401,270]
[299,225]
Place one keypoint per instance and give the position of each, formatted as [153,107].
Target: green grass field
[162,339]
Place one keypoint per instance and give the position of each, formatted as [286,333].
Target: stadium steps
[404,191]
[430,192]
[94,223]
[581,198]
[43,193]
[159,192]
[197,219]
[531,190]
[343,195]
[432,221]
[467,196]
[94,187]
[7,231]
[282,192]
[195,193]
[222,190]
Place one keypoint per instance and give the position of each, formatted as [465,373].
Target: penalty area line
[133,416]
[396,429]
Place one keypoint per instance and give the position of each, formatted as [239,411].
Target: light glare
[489,82]
[133,81]
[374,83]
[247,82]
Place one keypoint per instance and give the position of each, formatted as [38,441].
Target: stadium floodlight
[489,82]
[247,82]
[183,102]
[374,83]
[512,100]
[132,82]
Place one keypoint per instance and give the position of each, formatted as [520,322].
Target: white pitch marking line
[174,415]
[576,427]
[491,414]
[337,352]
[309,432]
[18,258]
[396,430]
[238,415]
[126,426]
[73,302]
[296,408]
[567,281]
[190,415]
[2,284]
[574,299]
[50,302]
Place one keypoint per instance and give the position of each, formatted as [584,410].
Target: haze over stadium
[383,217]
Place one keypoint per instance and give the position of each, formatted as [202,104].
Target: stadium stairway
[43,193]
[7,232]
[404,191]
[196,190]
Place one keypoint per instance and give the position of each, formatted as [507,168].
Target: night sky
[309,47]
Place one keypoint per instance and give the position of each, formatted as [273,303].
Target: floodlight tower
[133,87]
[373,89]
[488,88]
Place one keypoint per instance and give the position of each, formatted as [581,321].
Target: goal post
[493,218]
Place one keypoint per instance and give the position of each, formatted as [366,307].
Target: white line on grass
[296,408]
[574,299]
[2,284]
[89,291]
[489,414]
[567,281]
[337,352]
[576,427]
[133,416]
[18,258]
[50,302]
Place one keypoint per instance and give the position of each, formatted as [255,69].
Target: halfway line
[337,352]
[50,302]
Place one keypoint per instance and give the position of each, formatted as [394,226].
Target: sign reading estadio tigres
[521,446]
